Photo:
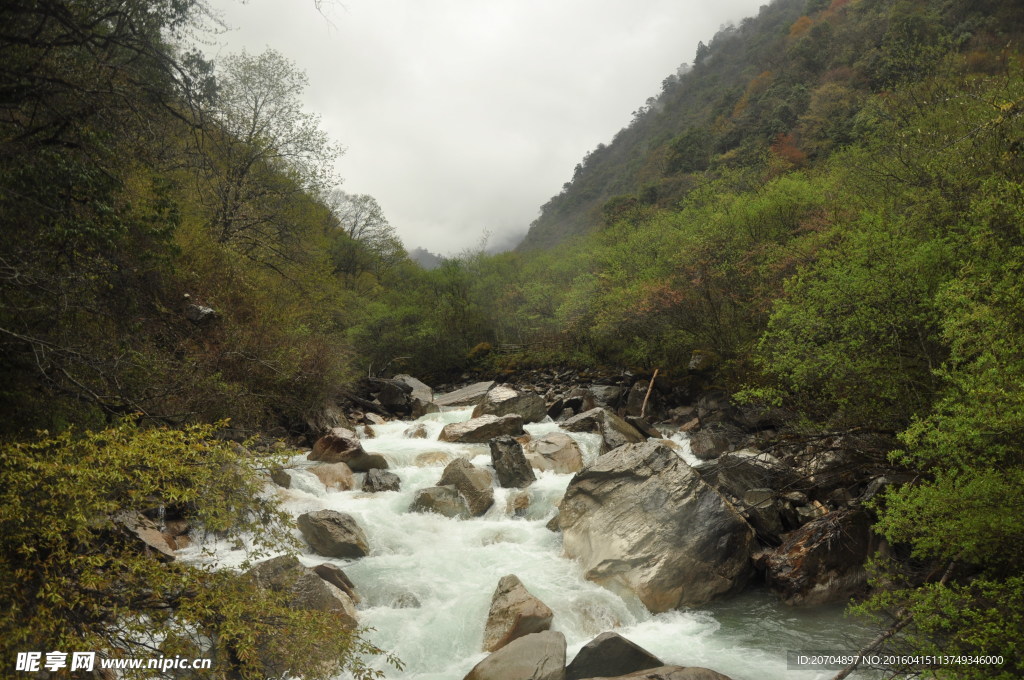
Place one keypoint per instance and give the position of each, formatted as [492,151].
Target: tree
[262,151]
[76,579]
[369,233]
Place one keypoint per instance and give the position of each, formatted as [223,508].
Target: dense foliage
[74,579]
[828,201]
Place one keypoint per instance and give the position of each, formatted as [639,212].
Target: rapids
[427,584]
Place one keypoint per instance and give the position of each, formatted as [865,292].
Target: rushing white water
[428,581]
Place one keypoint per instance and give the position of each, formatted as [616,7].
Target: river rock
[765,512]
[334,476]
[471,395]
[475,484]
[443,500]
[510,463]
[517,503]
[417,431]
[514,612]
[334,575]
[641,520]
[340,445]
[333,534]
[669,673]
[305,589]
[538,656]
[822,561]
[417,388]
[504,400]
[614,430]
[555,451]
[644,427]
[482,429]
[606,395]
[336,446]
[610,654]
[709,444]
[736,472]
[381,480]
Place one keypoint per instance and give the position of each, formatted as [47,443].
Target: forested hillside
[823,216]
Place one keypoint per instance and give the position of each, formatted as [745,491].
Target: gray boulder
[614,430]
[381,480]
[482,429]
[338,578]
[340,445]
[304,588]
[417,388]
[333,534]
[709,444]
[510,463]
[736,472]
[505,400]
[641,520]
[514,613]
[538,656]
[334,475]
[475,484]
[610,654]
[471,395]
[336,446]
[417,431]
[555,451]
[443,500]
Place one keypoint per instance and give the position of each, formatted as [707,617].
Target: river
[427,584]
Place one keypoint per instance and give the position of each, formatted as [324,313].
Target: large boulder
[610,654]
[381,480]
[709,444]
[443,500]
[555,451]
[538,656]
[417,388]
[504,400]
[340,445]
[615,431]
[668,673]
[482,429]
[822,561]
[475,484]
[334,575]
[736,472]
[336,446]
[333,534]
[643,521]
[304,587]
[336,476]
[471,395]
[514,613]
[510,463]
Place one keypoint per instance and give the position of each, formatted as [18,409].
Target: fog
[463,117]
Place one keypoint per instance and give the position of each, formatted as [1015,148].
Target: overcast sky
[465,116]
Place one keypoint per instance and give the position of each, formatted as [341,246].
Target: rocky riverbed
[503,525]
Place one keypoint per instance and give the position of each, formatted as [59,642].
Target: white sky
[461,116]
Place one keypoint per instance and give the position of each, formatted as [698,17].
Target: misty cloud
[462,117]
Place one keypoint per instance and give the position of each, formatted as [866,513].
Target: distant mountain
[425,258]
[783,89]
[675,133]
